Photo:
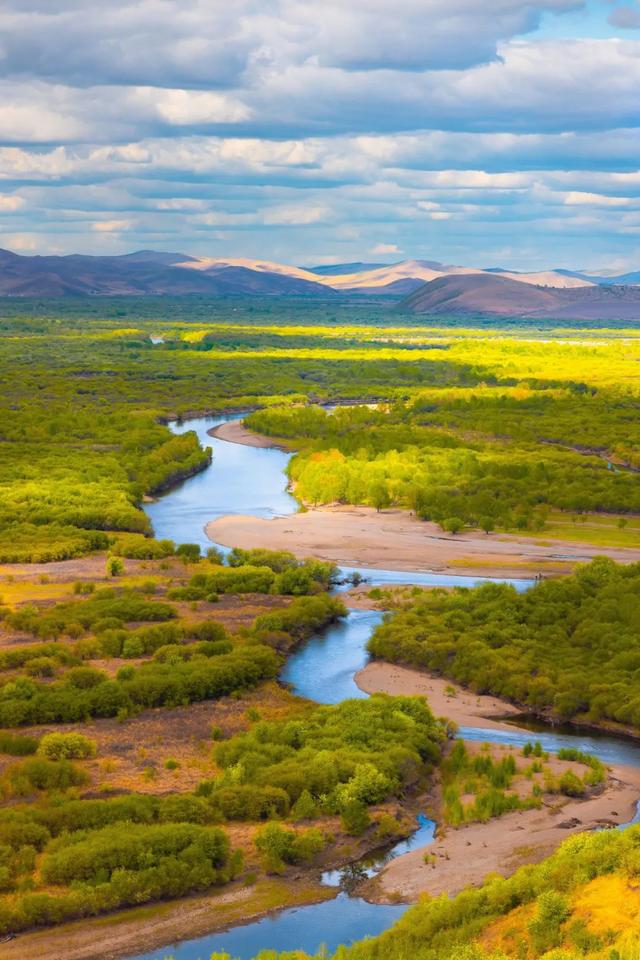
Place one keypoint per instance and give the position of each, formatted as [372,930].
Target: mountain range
[428,286]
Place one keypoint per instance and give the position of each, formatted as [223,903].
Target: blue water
[250,480]
[344,919]
[240,480]
[323,669]
[611,750]
[379,578]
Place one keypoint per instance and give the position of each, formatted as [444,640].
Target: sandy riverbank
[465,856]
[157,926]
[446,698]
[234,431]
[393,539]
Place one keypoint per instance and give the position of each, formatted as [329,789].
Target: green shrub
[66,746]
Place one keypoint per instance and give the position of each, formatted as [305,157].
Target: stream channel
[252,481]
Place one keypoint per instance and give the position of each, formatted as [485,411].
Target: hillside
[143,274]
[501,296]
[456,289]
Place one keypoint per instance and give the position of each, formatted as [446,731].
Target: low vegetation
[580,904]
[567,646]
[477,786]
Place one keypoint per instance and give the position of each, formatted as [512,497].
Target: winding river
[251,480]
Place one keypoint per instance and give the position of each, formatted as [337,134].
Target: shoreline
[500,845]
[468,709]
[160,925]
[234,431]
[352,535]
[464,856]
[396,540]
[446,697]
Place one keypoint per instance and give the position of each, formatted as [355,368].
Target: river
[251,480]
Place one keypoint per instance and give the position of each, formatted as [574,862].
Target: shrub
[38,773]
[17,745]
[355,817]
[66,746]
[115,566]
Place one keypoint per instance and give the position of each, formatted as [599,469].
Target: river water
[251,480]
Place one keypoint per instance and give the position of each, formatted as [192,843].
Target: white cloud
[189,107]
[305,127]
[10,202]
[111,226]
[577,198]
[382,248]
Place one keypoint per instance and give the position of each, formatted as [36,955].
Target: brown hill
[142,274]
[498,296]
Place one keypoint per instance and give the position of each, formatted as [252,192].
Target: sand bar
[465,856]
[234,431]
[394,539]
[446,698]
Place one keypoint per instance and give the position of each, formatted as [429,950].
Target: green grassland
[504,426]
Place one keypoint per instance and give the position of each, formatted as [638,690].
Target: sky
[499,133]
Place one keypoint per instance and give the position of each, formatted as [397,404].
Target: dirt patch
[132,753]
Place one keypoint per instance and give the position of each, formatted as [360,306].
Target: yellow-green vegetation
[486,461]
[332,760]
[182,662]
[272,787]
[481,433]
[479,786]
[583,903]
[567,646]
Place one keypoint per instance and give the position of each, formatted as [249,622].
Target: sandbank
[394,539]
[446,698]
[234,431]
[465,856]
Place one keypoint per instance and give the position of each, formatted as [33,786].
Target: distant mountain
[156,256]
[631,279]
[546,278]
[152,272]
[145,273]
[501,296]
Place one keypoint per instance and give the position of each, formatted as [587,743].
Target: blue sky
[313,131]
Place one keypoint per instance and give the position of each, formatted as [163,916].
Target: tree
[487,524]
[190,553]
[452,525]
[380,496]
[355,817]
[115,566]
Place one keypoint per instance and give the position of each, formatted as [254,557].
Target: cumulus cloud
[443,126]
[383,248]
[213,44]
[111,226]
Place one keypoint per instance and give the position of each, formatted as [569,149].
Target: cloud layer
[317,131]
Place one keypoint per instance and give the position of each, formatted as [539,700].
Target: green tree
[115,566]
